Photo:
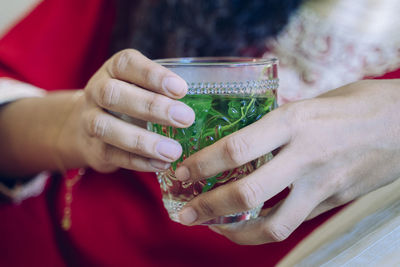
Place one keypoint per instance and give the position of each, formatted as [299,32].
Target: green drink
[221,109]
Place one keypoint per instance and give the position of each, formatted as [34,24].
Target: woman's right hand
[131,84]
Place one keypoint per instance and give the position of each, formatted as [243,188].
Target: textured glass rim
[216,61]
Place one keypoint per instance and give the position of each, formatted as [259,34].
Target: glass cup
[226,94]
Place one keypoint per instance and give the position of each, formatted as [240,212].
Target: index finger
[236,149]
[131,66]
[246,193]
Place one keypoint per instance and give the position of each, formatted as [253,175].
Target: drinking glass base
[174,207]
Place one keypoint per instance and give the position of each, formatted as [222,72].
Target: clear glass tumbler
[226,94]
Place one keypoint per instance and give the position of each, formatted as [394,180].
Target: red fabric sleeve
[60,44]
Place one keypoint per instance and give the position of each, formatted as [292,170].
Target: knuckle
[277,232]
[247,195]
[122,60]
[198,168]
[132,160]
[205,208]
[91,89]
[150,75]
[236,148]
[147,74]
[299,114]
[109,94]
[152,106]
[98,126]
[105,154]
[138,143]
[339,199]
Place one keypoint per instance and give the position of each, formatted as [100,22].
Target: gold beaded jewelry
[69,184]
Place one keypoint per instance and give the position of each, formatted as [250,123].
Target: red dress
[117,219]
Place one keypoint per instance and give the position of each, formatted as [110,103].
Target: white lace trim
[317,55]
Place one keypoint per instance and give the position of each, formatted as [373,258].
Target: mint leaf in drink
[216,117]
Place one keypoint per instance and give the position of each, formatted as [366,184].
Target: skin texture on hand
[85,131]
[334,148]
[131,84]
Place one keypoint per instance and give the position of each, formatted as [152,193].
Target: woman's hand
[334,148]
[66,130]
[130,84]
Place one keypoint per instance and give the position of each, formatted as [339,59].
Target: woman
[89,218]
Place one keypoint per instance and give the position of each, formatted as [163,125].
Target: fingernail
[187,216]
[169,149]
[182,173]
[181,113]
[158,164]
[215,229]
[174,85]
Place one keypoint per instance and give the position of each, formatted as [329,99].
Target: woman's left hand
[334,148]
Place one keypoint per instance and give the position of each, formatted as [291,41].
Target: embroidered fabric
[319,53]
